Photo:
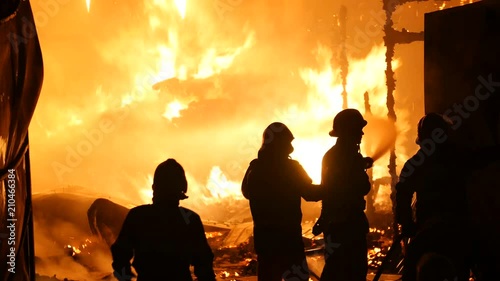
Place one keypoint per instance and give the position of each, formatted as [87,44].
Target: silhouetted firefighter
[163,238]
[345,183]
[274,185]
[438,174]
[106,219]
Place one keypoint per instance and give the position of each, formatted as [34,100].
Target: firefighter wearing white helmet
[345,183]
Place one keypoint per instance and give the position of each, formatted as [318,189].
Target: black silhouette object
[163,239]
[274,185]
[106,219]
[438,175]
[345,183]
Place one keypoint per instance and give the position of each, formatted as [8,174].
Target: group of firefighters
[164,239]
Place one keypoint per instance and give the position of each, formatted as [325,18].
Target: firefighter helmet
[278,133]
[430,123]
[347,121]
[170,180]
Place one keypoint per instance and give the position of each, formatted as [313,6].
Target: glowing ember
[74,250]
[213,234]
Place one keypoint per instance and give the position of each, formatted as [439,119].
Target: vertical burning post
[370,208]
[391,38]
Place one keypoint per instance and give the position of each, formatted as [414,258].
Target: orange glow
[184,82]
[88,5]
[324,100]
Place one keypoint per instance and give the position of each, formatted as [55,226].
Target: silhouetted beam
[404,36]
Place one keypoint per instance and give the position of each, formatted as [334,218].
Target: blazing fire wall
[462,81]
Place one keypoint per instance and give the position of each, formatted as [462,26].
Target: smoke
[380,136]
[54,256]
[64,245]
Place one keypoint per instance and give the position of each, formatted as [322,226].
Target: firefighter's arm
[122,250]
[326,169]
[203,256]
[352,173]
[245,184]
[405,189]
[308,190]
[311,192]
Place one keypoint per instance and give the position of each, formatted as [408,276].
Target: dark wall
[462,52]
[462,80]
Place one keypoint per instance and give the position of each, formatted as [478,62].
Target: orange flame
[313,120]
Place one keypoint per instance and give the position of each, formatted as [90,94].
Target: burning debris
[379,241]
[232,244]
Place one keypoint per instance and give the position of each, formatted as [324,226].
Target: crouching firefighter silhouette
[274,185]
[163,239]
[438,174]
[345,183]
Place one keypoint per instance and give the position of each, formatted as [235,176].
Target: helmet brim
[334,133]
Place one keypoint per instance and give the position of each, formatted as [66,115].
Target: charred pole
[344,63]
[391,38]
[370,199]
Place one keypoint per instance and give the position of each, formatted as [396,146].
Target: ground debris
[39,277]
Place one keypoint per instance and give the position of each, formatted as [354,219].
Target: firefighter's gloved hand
[368,162]
[408,230]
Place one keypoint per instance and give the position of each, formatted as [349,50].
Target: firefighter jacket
[164,240]
[274,188]
[438,176]
[345,184]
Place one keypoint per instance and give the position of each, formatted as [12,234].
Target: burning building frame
[129,84]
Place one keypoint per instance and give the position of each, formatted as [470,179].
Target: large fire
[128,85]
[177,59]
